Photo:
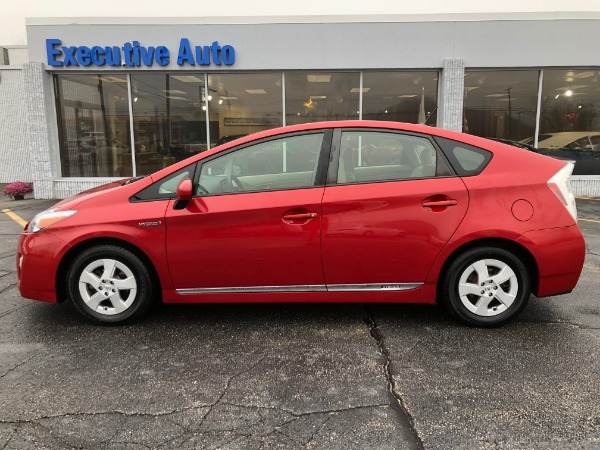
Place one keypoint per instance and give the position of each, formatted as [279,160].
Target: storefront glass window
[400,96]
[317,96]
[501,104]
[93,125]
[169,119]
[243,103]
[570,118]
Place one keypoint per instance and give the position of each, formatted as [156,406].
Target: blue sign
[132,54]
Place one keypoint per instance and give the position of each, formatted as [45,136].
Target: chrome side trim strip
[373,287]
[252,289]
[305,288]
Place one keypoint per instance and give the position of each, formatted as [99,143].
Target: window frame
[321,170]
[336,146]
[153,188]
[456,165]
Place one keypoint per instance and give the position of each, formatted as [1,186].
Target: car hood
[76,199]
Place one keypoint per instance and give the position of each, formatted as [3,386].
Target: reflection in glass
[570,118]
[169,119]
[93,125]
[317,96]
[243,103]
[367,156]
[400,96]
[285,163]
[500,104]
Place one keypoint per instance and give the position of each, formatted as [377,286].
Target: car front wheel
[486,286]
[109,284]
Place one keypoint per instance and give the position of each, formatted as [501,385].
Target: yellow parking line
[589,220]
[14,217]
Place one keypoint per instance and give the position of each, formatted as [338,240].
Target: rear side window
[465,159]
[373,156]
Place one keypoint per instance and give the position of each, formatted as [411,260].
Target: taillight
[561,186]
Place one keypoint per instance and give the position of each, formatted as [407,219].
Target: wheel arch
[67,259]
[506,244]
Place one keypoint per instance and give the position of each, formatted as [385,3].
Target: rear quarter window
[466,159]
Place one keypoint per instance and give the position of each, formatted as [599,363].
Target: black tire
[127,265]
[463,265]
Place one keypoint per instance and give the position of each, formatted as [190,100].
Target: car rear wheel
[109,284]
[486,286]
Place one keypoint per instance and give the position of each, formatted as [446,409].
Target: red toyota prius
[353,211]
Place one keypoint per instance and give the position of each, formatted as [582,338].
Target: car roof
[400,126]
[364,124]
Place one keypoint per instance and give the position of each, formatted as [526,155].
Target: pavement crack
[10,311]
[215,403]
[297,415]
[16,367]
[6,288]
[134,443]
[16,431]
[312,437]
[560,322]
[101,413]
[396,401]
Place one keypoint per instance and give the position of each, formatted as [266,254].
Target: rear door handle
[433,204]
[301,216]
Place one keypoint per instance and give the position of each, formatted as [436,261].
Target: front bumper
[559,253]
[38,257]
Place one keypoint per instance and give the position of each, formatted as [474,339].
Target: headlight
[48,218]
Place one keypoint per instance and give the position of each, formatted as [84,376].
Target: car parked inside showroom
[348,211]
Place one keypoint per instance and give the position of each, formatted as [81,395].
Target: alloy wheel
[107,286]
[488,287]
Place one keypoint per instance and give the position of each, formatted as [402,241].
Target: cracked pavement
[346,376]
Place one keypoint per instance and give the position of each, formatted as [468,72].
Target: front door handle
[444,203]
[301,216]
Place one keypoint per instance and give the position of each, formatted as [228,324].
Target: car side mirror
[184,190]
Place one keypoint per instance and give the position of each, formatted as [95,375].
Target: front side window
[286,163]
[165,188]
[369,156]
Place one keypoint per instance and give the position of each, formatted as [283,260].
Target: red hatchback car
[354,211]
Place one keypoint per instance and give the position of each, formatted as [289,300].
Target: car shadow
[256,315]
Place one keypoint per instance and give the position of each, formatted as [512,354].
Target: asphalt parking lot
[299,376]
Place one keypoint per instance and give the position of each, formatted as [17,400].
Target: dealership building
[93,100]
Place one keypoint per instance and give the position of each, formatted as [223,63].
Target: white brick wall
[41,129]
[17,54]
[450,103]
[15,164]
[66,187]
[588,186]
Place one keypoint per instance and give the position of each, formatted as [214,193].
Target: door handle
[438,203]
[301,216]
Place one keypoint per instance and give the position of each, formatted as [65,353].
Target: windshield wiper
[134,179]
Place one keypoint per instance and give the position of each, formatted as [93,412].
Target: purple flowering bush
[17,188]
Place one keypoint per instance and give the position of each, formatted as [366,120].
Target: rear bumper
[559,253]
[38,256]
